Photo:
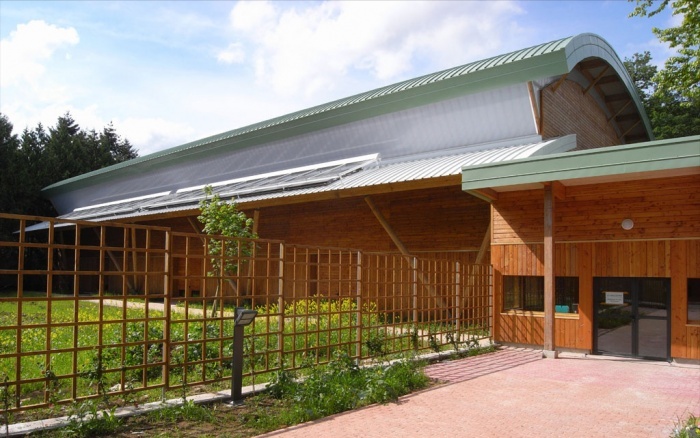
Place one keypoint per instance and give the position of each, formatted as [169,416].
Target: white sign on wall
[617,298]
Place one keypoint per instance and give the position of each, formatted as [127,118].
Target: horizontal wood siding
[568,111]
[444,219]
[518,217]
[664,208]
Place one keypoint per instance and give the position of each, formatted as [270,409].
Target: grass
[309,332]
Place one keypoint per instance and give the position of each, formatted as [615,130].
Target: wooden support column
[117,265]
[549,347]
[251,261]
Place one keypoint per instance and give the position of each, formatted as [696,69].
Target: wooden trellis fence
[109,310]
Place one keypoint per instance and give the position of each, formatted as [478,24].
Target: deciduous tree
[681,73]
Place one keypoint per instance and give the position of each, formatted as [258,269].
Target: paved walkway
[515,393]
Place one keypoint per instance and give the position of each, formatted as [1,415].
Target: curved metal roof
[369,172]
[546,60]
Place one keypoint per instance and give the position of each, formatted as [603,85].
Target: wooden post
[458,298]
[280,298]
[358,305]
[549,347]
[253,254]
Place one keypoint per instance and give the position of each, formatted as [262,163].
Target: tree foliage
[38,158]
[222,218]
[670,114]
[681,73]
[671,95]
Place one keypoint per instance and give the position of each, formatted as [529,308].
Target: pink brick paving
[515,393]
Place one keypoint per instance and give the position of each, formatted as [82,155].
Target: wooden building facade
[385,171]
[625,232]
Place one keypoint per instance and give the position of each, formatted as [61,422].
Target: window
[694,300]
[527,293]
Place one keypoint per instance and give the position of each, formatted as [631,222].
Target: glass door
[631,317]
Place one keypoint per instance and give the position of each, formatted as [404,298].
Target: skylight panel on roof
[293,173]
[275,187]
[121,201]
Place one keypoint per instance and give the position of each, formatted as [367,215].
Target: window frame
[692,287]
[529,289]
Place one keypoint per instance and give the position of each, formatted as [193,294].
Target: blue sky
[168,72]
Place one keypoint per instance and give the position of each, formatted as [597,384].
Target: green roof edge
[548,59]
[677,153]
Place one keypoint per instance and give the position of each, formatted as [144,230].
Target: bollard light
[243,318]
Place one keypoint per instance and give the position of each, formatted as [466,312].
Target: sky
[165,73]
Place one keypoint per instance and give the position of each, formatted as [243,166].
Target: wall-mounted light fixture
[627,224]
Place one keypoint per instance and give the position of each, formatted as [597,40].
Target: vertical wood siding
[591,243]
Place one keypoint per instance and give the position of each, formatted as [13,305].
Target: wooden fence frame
[312,301]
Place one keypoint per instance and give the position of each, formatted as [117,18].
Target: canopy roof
[654,159]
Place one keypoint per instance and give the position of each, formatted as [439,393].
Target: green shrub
[342,385]
[688,429]
[87,421]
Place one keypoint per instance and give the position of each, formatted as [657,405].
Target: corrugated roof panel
[376,174]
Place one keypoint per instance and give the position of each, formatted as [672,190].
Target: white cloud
[27,49]
[234,53]
[157,133]
[309,49]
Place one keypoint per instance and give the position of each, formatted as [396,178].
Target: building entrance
[632,317]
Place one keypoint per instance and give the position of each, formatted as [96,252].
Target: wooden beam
[534,106]
[609,79]
[558,83]
[549,238]
[617,97]
[113,258]
[559,190]
[630,128]
[380,217]
[195,227]
[484,245]
[596,79]
[627,117]
[620,110]
[402,248]
[488,195]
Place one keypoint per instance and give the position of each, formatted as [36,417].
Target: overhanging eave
[676,156]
